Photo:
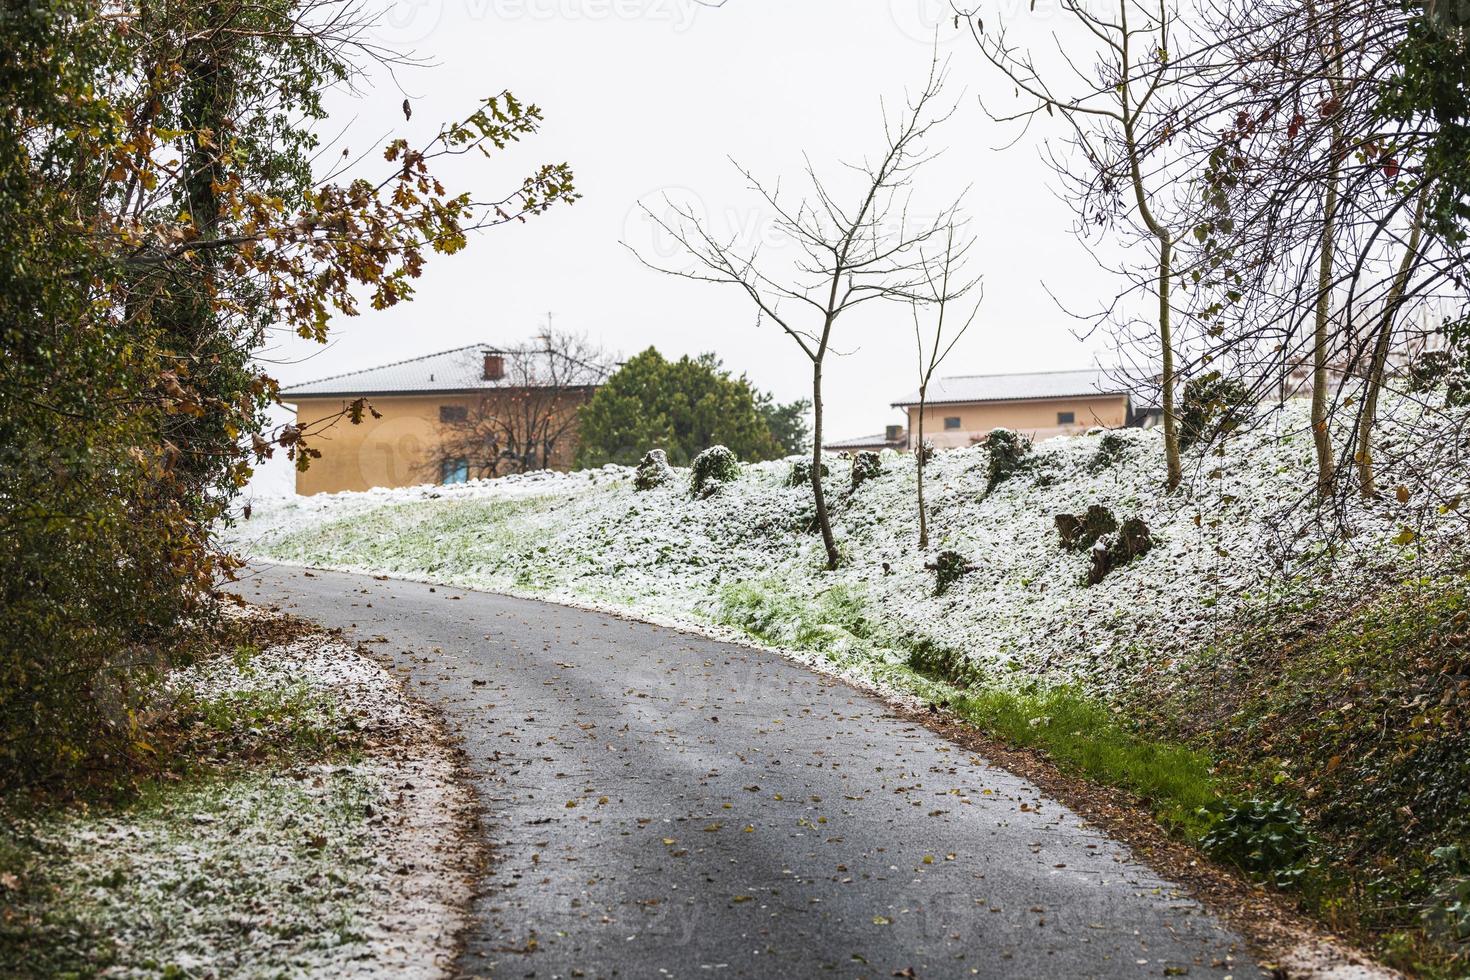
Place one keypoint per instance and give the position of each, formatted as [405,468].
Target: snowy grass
[314,835]
[259,874]
[1233,539]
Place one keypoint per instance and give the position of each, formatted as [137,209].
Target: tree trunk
[918,450]
[1175,472]
[1379,363]
[1322,439]
[817,495]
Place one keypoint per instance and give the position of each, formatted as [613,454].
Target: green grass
[1360,716]
[423,538]
[1083,737]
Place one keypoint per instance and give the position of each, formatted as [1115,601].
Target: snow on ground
[1235,537]
[351,867]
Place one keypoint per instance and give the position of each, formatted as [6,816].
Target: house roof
[459,370]
[879,441]
[1017,387]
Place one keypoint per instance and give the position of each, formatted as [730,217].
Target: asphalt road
[660,804]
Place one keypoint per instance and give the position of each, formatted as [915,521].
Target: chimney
[892,433]
[494,367]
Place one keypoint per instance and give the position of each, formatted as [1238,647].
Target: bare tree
[1122,125]
[946,282]
[855,244]
[526,416]
[1312,246]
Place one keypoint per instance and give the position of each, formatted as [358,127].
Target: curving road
[663,805]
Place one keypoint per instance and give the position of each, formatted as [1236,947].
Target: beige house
[447,417]
[960,411]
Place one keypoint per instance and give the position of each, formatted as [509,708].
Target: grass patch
[424,538]
[1360,716]
[832,623]
[1082,736]
[243,873]
[292,723]
[1078,732]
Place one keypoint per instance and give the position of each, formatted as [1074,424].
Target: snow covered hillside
[743,557]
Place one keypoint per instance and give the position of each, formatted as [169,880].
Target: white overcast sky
[647,97]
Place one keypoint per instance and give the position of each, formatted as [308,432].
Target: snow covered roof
[459,370]
[879,441]
[1017,387]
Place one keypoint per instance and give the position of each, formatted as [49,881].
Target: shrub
[943,663]
[1114,551]
[712,469]
[1008,451]
[1262,838]
[1450,910]
[1110,450]
[801,473]
[947,567]
[1439,368]
[1081,533]
[653,471]
[865,466]
[1213,405]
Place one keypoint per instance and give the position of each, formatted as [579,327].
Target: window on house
[1066,418]
[953,422]
[453,413]
[454,471]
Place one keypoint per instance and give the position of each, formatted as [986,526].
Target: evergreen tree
[787,421]
[682,407]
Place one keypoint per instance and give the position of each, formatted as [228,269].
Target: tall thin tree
[855,244]
[946,283]
[1122,124]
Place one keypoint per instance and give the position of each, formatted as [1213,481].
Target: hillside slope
[1188,676]
[1236,538]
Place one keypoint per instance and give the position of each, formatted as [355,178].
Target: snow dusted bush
[1110,449]
[948,566]
[1439,369]
[801,473]
[1116,550]
[865,466]
[1213,406]
[1081,533]
[943,663]
[712,469]
[653,470]
[1007,452]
